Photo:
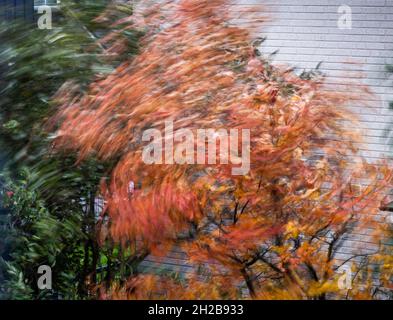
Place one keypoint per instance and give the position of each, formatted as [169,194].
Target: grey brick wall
[305,32]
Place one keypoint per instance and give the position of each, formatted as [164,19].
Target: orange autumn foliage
[273,232]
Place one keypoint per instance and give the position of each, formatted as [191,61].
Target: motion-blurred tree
[52,213]
[276,230]
[36,63]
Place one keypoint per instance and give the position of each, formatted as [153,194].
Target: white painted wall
[306,32]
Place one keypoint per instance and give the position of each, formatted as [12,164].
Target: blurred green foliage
[47,201]
[34,63]
[38,237]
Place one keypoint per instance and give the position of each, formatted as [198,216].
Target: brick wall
[305,32]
